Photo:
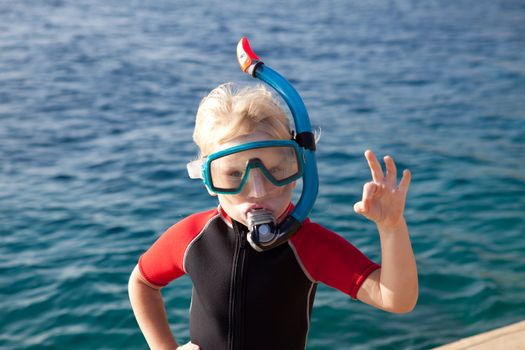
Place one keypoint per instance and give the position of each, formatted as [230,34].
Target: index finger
[375,166]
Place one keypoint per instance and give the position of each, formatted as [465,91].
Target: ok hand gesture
[383,199]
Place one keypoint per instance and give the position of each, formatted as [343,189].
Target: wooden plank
[508,338]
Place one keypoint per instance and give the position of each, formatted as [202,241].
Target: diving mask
[227,171]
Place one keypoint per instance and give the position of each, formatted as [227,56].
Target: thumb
[360,208]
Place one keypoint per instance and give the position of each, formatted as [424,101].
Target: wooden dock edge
[510,337]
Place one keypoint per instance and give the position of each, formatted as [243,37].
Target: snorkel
[265,233]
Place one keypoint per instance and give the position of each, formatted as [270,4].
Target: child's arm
[394,287]
[150,313]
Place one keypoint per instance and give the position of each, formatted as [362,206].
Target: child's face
[258,192]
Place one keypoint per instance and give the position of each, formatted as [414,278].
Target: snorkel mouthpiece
[262,228]
[264,233]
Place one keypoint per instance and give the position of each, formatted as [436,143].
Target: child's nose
[257,184]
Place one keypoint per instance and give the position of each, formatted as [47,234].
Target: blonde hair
[228,112]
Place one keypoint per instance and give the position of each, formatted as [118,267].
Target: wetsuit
[243,299]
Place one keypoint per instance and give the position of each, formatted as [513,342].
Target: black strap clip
[306,140]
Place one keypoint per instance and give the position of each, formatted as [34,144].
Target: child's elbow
[134,280]
[405,306]
[404,309]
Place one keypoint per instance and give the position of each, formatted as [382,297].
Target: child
[244,299]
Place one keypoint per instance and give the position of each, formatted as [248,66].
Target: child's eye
[234,173]
[276,170]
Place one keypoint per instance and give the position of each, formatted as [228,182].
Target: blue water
[97,102]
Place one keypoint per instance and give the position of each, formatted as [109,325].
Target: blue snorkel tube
[252,65]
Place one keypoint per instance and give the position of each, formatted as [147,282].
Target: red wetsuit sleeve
[164,260]
[331,259]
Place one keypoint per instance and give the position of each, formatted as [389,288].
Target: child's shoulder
[312,234]
[202,215]
[194,223]
[309,226]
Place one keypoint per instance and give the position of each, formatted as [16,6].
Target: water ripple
[97,104]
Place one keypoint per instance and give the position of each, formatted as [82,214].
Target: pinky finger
[405,180]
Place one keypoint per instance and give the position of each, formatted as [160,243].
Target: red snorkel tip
[245,56]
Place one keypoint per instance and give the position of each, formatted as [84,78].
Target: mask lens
[280,164]
[227,173]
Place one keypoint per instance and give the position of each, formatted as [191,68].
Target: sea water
[97,105]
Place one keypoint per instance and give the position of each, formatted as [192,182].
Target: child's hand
[188,346]
[383,200]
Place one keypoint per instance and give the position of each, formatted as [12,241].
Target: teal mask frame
[206,171]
